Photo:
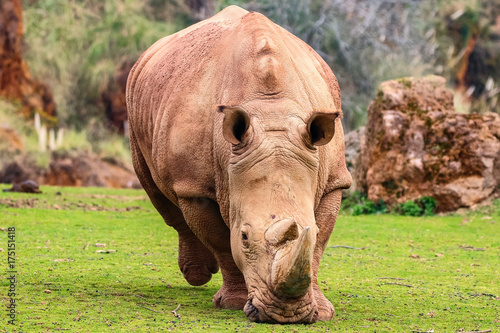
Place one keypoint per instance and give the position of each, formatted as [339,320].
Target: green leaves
[420,207]
[359,204]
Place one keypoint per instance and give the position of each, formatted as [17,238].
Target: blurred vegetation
[357,203]
[76,47]
[96,138]
[423,206]
[466,34]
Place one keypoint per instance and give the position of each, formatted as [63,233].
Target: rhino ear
[321,127]
[235,124]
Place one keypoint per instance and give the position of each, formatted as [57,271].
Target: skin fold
[236,137]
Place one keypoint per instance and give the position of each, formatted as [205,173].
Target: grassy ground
[402,274]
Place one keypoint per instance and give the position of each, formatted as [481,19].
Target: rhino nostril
[315,316]
[255,311]
[251,311]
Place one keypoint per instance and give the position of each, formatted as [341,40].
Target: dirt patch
[117,197]
[43,204]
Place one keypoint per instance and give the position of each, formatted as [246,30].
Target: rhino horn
[282,231]
[291,272]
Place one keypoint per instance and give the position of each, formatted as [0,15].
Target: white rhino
[236,137]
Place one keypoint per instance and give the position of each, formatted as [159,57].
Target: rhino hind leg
[196,262]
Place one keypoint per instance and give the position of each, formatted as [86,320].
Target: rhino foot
[326,310]
[234,299]
[196,262]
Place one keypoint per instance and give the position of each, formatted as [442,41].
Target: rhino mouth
[286,311]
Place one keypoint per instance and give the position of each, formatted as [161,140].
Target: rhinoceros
[236,136]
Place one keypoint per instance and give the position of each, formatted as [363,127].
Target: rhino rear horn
[291,272]
[236,123]
[282,231]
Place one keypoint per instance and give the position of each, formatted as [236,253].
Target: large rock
[71,169]
[416,145]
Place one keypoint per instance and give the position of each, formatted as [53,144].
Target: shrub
[353,199]
[410,208]
[422,206]
[428,204]
[358,203]
[369,207]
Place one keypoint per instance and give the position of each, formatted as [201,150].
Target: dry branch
[399,284]
[149,309]
[348,247]
[175,313]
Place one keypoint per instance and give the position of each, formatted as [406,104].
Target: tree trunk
[16,83]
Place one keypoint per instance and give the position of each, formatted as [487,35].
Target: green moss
[421,112]
[405,81]
[428,122]
[390,185]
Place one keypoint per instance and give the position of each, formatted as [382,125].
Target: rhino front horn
[291,271]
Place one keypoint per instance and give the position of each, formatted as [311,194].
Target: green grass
[451,265]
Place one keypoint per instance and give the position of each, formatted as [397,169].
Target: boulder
[71,169]
[86,169]
[416,145]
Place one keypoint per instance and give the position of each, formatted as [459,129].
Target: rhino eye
[244,236]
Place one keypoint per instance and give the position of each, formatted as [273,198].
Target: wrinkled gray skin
[236,137]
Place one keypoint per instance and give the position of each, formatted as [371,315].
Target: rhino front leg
[204,218]
[326,216]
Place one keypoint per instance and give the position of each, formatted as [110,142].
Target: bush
[410,208]
[428,204]
[358,204]
[422,206]
[353,199]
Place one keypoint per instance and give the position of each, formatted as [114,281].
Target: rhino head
[273,177]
